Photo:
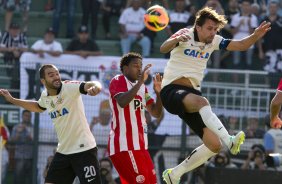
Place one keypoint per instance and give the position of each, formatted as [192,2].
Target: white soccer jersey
[189,59]
[67,113]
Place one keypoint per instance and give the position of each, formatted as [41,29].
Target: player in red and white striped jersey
[128,141]
[275,108]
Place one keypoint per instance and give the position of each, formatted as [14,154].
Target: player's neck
[197,37]
[52,92]
[130,79]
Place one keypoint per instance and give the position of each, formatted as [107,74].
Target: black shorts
[64,168]
[172,96]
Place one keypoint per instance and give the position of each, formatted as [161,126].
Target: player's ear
[197,28]
[125,69]
[42,81]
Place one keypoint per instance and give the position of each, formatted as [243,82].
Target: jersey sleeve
[148,98]
[74,87]
[220,43]
[41,103]
[279,88]
[117,85]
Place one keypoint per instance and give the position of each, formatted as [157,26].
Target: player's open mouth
[58,82]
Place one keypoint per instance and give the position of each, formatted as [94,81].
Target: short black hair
[127,58]
[43,68]
[24,111]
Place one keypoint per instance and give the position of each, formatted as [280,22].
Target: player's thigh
[194,102]
[60,170]
[134,167]
[86,166]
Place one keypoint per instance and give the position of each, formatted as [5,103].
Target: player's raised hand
[6,94]
[263,28]
[145,73]
[183,38]
[182,35]
[157,82]
[276,122]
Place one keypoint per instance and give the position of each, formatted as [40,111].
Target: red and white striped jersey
[279,88]
[128,126]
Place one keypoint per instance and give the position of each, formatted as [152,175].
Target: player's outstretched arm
[92,88]
[245,43]
[275,107]
[26,104]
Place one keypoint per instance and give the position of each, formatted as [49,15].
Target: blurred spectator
[22,137]
[106,168]
[10,6]
[233,122]
[13,43]
[48,6]
[252,130]
[58,9]
[272,138]
[131,25]
[192,10]
[256,10]
[243,24]
[48,45]
[100,126]
[83,45]
[215,4]
[48,162]
[178,17]
[148,3]
[111,8]
[155,141]
[231,10]
[222,160]
[271,45]
[90,7]
[215,57]
[255,159]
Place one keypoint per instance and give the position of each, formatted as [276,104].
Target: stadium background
[172,141]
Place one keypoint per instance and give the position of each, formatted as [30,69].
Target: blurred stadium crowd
[89,28]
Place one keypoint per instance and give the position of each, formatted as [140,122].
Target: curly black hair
[127,58]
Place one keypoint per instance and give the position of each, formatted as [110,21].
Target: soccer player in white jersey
[275,108]
[180,94]
[128,142]
[77,151]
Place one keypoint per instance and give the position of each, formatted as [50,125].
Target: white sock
[196,158]
[214,124]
